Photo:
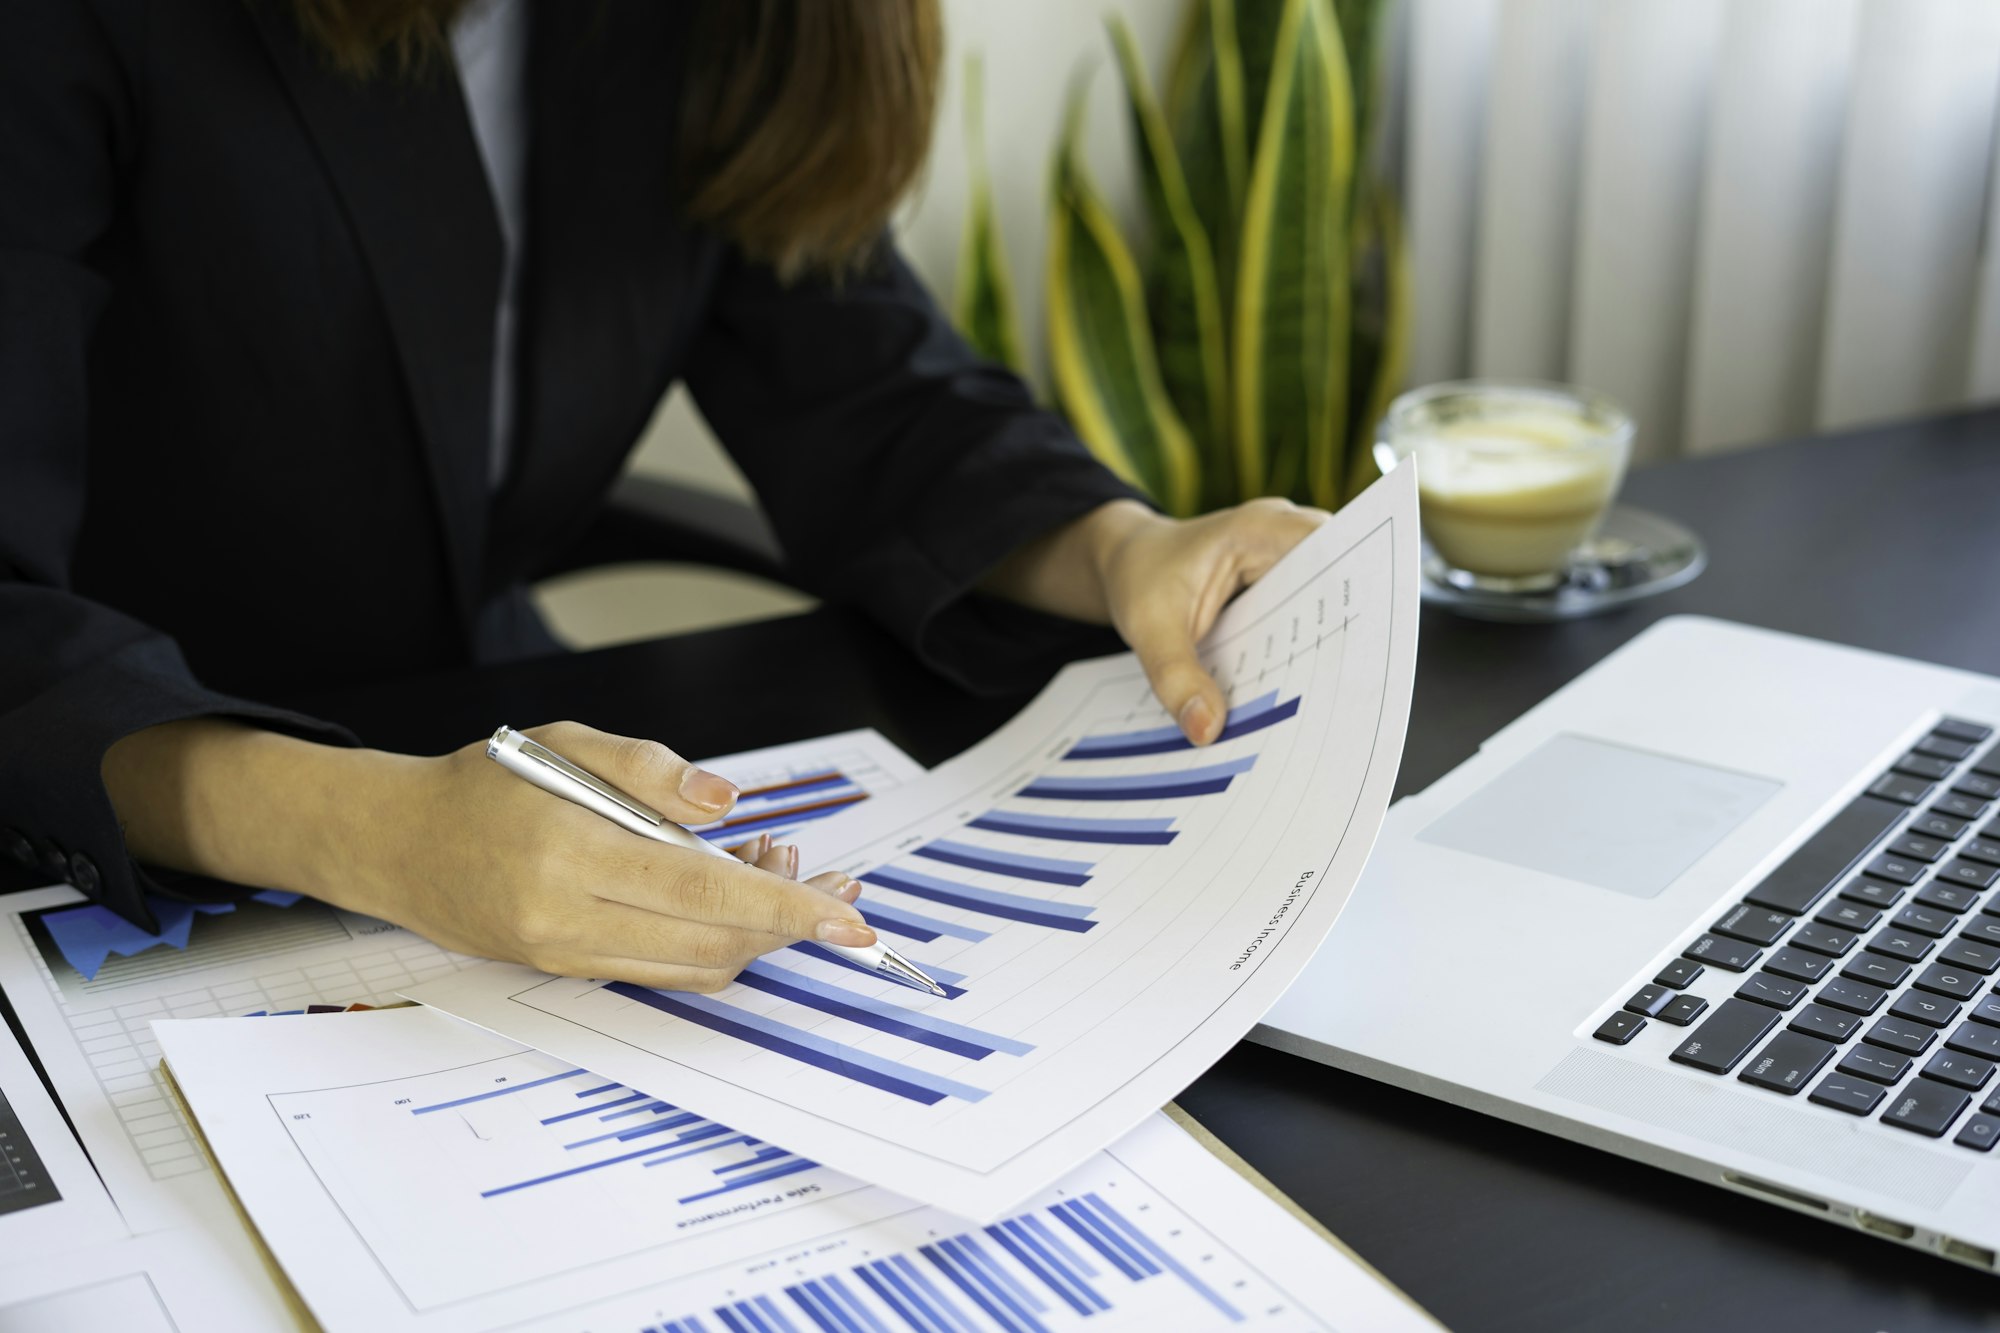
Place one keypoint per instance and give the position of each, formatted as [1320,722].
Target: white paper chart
[412,1172]
[1107,908]
[88,985]
[50,1199]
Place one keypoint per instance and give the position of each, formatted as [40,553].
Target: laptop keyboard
[1861,972]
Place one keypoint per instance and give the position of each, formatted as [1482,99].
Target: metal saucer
[1635,554]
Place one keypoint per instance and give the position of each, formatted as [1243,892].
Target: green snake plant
[1250,341]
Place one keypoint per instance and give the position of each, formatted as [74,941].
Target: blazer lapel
[402,155]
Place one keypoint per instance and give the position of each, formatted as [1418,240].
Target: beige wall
[1032,48]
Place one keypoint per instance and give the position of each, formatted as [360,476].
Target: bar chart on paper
[1106,906]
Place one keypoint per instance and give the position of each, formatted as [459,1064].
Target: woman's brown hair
[804,120]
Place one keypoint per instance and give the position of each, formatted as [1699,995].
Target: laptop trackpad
[1613,817]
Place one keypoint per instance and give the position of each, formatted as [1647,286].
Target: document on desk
[1107,908]
[50,1199]
[87,984]
[411,1172]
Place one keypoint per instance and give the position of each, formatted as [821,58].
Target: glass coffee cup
[1512,477]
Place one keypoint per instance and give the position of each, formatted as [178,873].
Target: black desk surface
[1888,540]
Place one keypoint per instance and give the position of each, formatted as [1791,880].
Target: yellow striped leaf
[1182,296]
[1292,293]
[983,296]
[1205,110]
[1101,353]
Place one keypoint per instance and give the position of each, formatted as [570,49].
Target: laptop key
[1924,766]
[1852,1095]
[1856,997]
[1619,1028]
[1956,983]
[1895,869]
[1991,1106]
[1959,729]
[1982,849]
[1844,915]
[1975,1039]
[1683,1010]
[1970,1072]
[1945,828]
[1725,1036]
[1930,1010]
[1778,992]
[1916,847]
[1872,892]
[1816,1020]
[1902,789]
[1943,747]
[1822,860]
[1909,1038]
[1876,969]
[1961,806]
[1949,897]
[1985,930]
[1986,1010]
[1875,1063]
[1924,1106]
[1758,925]
[1787,1063]
[1924,921]
[1970,873]
[1679,974]
[1911,948]
[1798,964]
[1979,1133]
[1981,958]
[1649,1000]
[1827,940]
[1977,785]
[1727,954]
[1988,763]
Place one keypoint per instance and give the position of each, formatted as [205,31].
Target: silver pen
[559,777]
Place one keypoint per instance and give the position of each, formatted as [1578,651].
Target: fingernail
[849,933]
[763,847]
[1195,719]
[791,862]
[710,791]
[849,891]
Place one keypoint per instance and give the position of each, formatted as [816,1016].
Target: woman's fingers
[681,791]
[1163,640]
[710,891]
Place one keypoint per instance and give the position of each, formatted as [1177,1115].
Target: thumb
[1165,647]
[683,792]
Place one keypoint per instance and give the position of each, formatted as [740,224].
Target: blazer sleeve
[75,675]
[896,466]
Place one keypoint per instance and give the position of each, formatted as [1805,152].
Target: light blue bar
[1165,1260]
[970,934]
[913,1017]
[1058,1244]
[834,1050]
[1152,734]
[637,1110]
[994,896]
[762,1155]
[694,1152]
[1146,781]
[856,1310]
[1054,864]
[496,1092]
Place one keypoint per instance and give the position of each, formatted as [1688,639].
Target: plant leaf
[983,296]
[1292,293]
[1205,109]
[1106,373]
[1182,296]
[1256,25]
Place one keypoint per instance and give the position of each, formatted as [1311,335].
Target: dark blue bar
[993,862]
[856,1311]
[966,1284]
[1242,726]
[763,980]
[973,900]
[896,923]
[497,1092]
[602,1087]
[1049,791]
[976,1253]
[654,1107]
[1056,1245]
[914,1277]
[735,1325]
[1165,1260]
[1114,1252]
[1076,830]
[1019,1244]
[825,1324]
[803,1054]
[731,834]
[762,1155]
[895,1301]
[755,1178]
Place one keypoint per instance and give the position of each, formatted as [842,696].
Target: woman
[325,324]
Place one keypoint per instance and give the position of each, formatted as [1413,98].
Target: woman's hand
[471,857]
[1161,582]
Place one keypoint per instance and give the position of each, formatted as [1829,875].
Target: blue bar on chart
[992,902]
[1044,869]
[945,978]
[783,1169]
[917,926]
[497,1092]
[1245,718]
[810,1048]
[882,1015]
[784,805]
[1063,828]
[1203,781]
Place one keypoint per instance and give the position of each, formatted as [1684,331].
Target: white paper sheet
[50,1199]
[1110,909]
[273,955]
[387,1159]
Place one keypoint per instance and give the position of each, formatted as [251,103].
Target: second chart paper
[1108,908]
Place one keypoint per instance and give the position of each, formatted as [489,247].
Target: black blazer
[246,320]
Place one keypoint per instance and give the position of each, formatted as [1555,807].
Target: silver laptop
[1725,904]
